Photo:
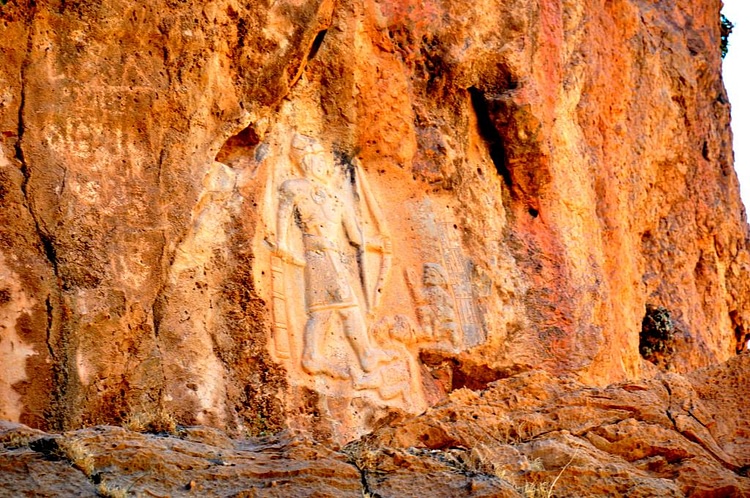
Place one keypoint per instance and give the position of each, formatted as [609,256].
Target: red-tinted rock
[505,186]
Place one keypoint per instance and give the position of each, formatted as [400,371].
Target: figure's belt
[317,243]
[349,303]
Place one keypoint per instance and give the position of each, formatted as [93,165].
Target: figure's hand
[381,244]
[411,277]
[387,245]
[288,257]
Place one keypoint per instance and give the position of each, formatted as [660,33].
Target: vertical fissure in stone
[317,42]
[490,135]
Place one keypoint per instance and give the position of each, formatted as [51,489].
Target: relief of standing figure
[435,308]
[322,214]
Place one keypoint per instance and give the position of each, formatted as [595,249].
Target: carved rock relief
[198,383]
[325,256]
[353,301]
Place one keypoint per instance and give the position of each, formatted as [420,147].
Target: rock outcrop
[529,435]
[318,216]
[668,436]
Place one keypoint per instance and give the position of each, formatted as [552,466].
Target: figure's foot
[369,360]
[389,392]
[456,343]
[315,367]
[456,340]
[371,380]
[428,333]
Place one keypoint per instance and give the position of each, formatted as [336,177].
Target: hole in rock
[490,134]
[5,296]
[657,335]
[237,146]
[317,42]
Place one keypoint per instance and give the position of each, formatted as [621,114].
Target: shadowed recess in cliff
[657,335]
[239,146]
[458,373]
[741,334]
[317,42]
[490,135]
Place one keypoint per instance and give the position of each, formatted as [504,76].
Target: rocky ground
[531,434]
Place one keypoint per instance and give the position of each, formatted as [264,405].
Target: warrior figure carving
[324,216]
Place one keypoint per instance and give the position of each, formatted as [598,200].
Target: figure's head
[309,156]
[433,274]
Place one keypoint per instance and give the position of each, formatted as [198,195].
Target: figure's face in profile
[432,277]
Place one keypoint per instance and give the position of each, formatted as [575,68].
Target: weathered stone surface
[658,437]
[112,461]
[26,473]
[531,434]
[108,460]
[322,215]
[103,186]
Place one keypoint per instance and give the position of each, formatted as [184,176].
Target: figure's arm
[353,231]
[414,286]
[283,221]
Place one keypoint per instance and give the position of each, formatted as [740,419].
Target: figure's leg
[356,333]
[312,346]
[455,333]
[425,319]
[312,340]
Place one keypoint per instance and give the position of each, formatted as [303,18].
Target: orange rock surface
[668,436]
[325,217]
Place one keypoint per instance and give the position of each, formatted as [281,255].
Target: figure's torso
[318,211]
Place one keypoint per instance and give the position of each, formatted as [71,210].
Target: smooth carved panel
[354,301]
[459,284]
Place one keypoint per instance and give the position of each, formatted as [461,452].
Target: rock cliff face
[316,215]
